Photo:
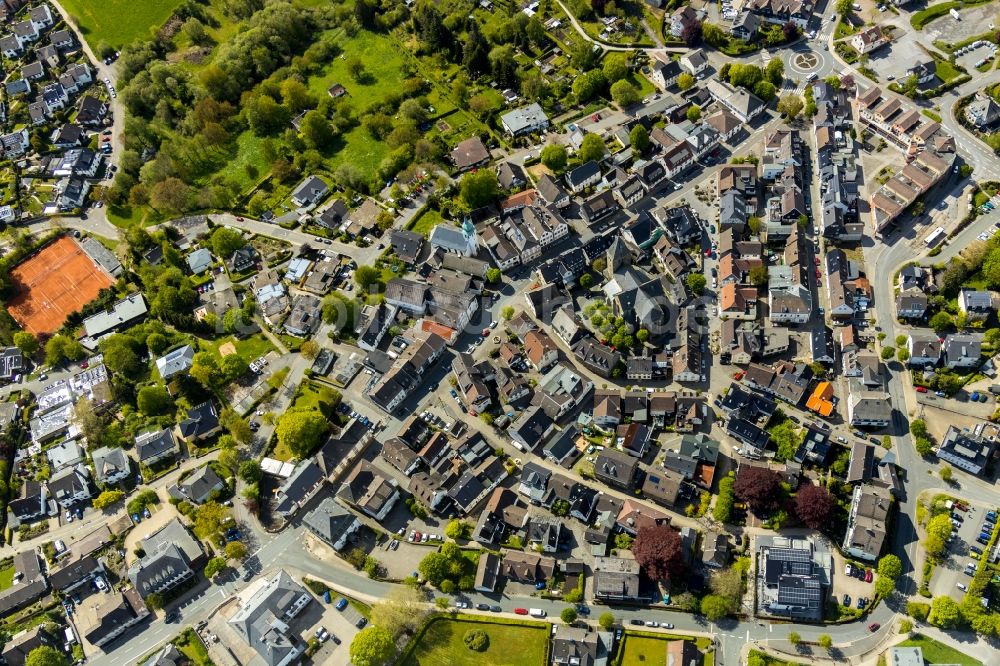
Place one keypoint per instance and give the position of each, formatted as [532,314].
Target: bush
[917,610]
[476,639]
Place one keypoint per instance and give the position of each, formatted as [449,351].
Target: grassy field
[770,661]
[510,645]
[645,649]
[119,22]
[939,653]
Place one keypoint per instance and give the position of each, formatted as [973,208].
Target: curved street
[853,642]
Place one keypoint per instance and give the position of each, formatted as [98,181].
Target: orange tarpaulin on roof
[821,399]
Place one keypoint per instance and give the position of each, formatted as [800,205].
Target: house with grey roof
[976,305]
[65,454]
[199,486]
[332,523]
[156,445]
[310,191]
[122,314]
[871,409]
[119,612]
[30,586]
[201,422]
[924,348]
[267,608]
[70,485]
[300,486]
[369,490]
[524,120]
[17,649]
[199,261]
[962,351]
[111,465]
[161,570]
[966,450]
[175,362]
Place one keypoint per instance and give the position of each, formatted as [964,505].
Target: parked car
[496,609]
[482,607]
[874,626]
[520,611]
[341,604]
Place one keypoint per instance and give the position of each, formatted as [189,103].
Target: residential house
[198,487]
[311,191]
[968,451]
[524,120]
[111,465]
[975,305]
[615,468]
[924,349]
[369,490]
[263,618]
[617,579]
[332,523]
[201,422]
[866,522]
[962,351]
[738,101]
[470,154]
[155,446]
[175,362]
[116,614]
[695,61]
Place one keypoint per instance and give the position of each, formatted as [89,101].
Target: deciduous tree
[301,431]
[759,487]
[592,148]
[658,549]
[372,646]
[554,157]
[813,505]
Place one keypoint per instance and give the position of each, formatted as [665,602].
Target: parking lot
[975,54]
[952,572]
[975,21]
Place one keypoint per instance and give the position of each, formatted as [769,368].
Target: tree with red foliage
[658,551]
[813,505]
[759,487]
[791,31]
[691,34]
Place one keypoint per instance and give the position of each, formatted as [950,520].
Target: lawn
[515,645]
[192,648]
[310,396]
[947,71]
[771,661]
[646,649]
[7,576]
[250,348]
[427,221]
[119,22]
[919,19]
[939,653]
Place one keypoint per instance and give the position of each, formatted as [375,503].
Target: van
[518,446]
[536,612]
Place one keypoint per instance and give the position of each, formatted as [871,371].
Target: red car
[921,389]
[873,627]
[868,575]
[521,611]
[738,376]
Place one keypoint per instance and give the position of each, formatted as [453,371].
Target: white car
[101,584]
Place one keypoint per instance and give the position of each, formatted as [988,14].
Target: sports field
[52,284]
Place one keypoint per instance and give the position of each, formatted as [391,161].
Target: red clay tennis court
[52,284]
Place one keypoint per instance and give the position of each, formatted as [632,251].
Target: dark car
[496,609]
[482,607]
[172,617]
[583,609]
[360,624]
[333,637]
[874,626]
[637,623]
